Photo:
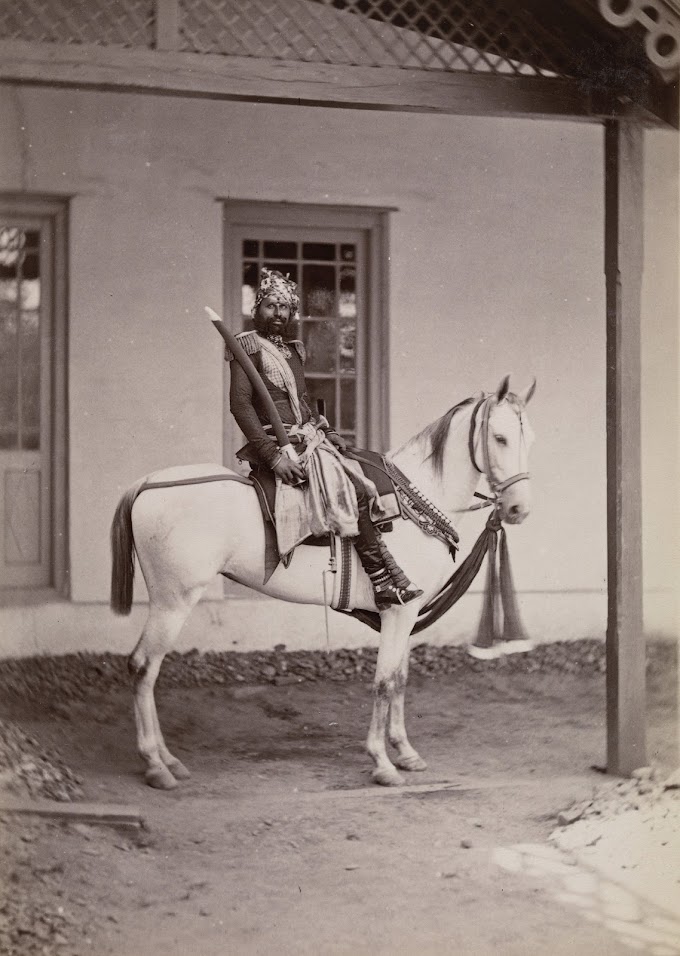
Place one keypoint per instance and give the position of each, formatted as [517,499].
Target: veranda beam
[314,84]
[623,270]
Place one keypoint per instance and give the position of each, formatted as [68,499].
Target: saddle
[373,467]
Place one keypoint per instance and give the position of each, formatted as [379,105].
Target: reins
[486,403]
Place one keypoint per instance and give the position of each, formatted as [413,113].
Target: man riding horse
[319,490]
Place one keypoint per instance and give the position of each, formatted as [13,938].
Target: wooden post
[167,25]
[623,270]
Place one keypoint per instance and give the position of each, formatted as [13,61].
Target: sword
[246,364]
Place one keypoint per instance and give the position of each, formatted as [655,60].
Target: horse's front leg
[389,684]
[407,757]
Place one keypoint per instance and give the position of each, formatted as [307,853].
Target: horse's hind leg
[159,634]
[407,757]
[389,682]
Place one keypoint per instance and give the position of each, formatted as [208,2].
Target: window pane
[318,290]
[348,252]
[318,250]
[9,378]
[9,289]
[9,383]
[348,412]
[348,297]
[31,266]
[251,248]
[249,287]
[325,389]
[30,371]
[281,250]
[348,341]
[320,343]
[30,399]
[30,295]
[32,238]
[12,241]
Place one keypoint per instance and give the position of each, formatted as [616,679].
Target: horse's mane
[434,436]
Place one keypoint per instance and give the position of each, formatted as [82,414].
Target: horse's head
[500,439]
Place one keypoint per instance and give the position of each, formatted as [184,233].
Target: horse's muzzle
[515,514]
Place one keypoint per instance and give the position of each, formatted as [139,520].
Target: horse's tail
[123,553]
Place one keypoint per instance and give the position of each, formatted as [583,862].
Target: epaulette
[249,342]
[299,347]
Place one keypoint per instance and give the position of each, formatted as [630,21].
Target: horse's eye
[501,439]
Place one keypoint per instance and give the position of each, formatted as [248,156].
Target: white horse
[186,534]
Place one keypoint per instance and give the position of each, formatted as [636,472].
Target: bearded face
[272,316]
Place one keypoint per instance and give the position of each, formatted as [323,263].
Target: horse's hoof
[413,764]
[386,777]
[160,778]
[178,770]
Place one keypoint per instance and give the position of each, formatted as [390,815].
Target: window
[334,257]
[326,274]
[19,338]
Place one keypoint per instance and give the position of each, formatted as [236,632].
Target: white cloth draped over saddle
[327,501]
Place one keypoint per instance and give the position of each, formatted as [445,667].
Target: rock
[571,815]
[466,844]
[643,773]
[673,781]
[83,829]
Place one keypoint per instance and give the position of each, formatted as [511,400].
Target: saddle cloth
[371,462]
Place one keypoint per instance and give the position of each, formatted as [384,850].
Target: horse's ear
[526,396]
[503,389]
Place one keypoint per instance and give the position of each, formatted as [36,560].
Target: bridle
[482,410]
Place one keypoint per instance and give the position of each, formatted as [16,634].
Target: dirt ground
[279,844]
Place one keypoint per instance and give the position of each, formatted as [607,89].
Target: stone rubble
[26,768]
[645,791]
[58,681]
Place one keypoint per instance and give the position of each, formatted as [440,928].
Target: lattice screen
[475,36]
[128,23]
[430,35]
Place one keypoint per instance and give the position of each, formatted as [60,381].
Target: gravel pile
[26,768]
[51,680]
[645,791]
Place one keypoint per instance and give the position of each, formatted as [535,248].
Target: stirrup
[392,596]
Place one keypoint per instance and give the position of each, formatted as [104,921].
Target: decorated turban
[275,283]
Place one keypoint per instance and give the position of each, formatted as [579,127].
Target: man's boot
[390,585]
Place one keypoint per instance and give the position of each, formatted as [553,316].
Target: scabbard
[248,367]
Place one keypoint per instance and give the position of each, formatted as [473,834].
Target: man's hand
[337,440]
[292,472]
